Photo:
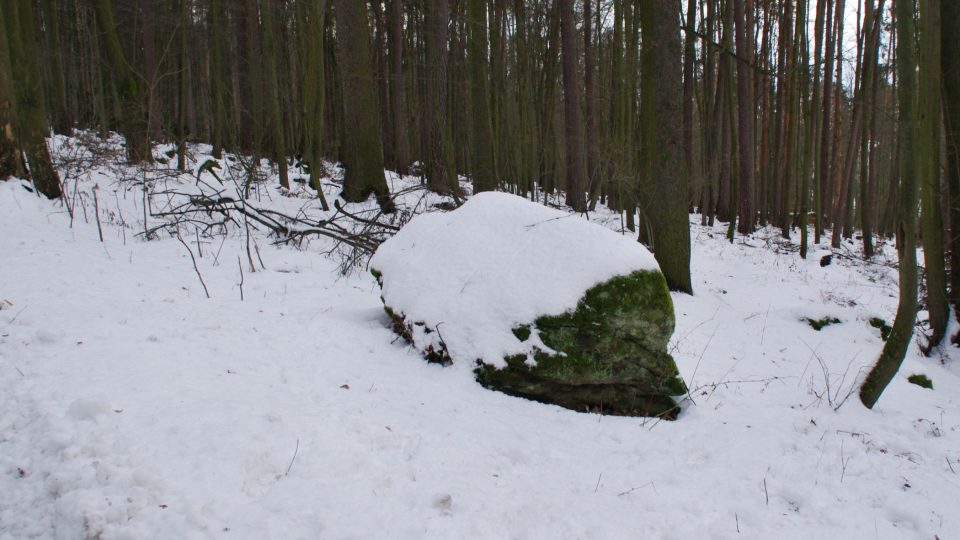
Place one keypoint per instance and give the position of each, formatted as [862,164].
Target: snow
[131,406]
[495,263]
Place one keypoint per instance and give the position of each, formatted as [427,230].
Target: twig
[216,256]
[295,450]
[950,465]
[17,315]
[256,249]
[123,222]
[631,490]
[338,206]
[246,226]
[764,331]
[598,483]
[146,234]
[766,495]
[843,462]
[240,266]
[192,258]
[697,367]
[96,209]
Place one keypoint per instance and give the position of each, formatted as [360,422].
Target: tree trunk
[589,67]
[133,117]
[441,173]
[689,58]
[219,74]
[663,193]
[60,115]
[279,149]
[826,89]
[900,336]
[573,120]
[745,111]
[10,162]
[928,152]
[313,95]
[809,137]
[483,169]
[31,115]
[183,85]
[950,67]
[401,148]
[151,73]
[362,149]
[845,169]
[868,151]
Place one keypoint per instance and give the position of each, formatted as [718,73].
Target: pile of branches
[356,234]
[208,213]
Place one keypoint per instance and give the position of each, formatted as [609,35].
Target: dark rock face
[610,353]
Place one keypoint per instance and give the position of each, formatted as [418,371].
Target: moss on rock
[610,353]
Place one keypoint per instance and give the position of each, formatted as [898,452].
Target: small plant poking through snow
[921,380]
[881,325]
[819,324]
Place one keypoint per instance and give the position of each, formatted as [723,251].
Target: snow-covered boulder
[537,302]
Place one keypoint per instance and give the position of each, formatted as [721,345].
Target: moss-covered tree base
[611,353]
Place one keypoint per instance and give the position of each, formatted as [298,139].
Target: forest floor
[132,406]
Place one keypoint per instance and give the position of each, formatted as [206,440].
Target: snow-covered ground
[132,406]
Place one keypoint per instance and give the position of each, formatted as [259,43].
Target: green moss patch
[819,324]
[611,353]
[522,332]
[881,325]
[921,380]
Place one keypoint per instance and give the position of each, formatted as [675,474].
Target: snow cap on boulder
[497,262]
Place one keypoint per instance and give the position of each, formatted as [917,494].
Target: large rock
[535,302]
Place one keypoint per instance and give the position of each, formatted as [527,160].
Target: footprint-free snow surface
[132,406]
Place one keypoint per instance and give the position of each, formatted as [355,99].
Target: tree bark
[279,149]
[868,150]
[745,112]
[928,149]
[590,97]
[663,195]
[148,20]
[10,162]
[826,89]
[314,95]
[133,115]
[401,148]
[61,119]
[483,169]
[362,148]
[573,120]
[689,58]
[950,68]
[441,173]
[31,114]
[900,336]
